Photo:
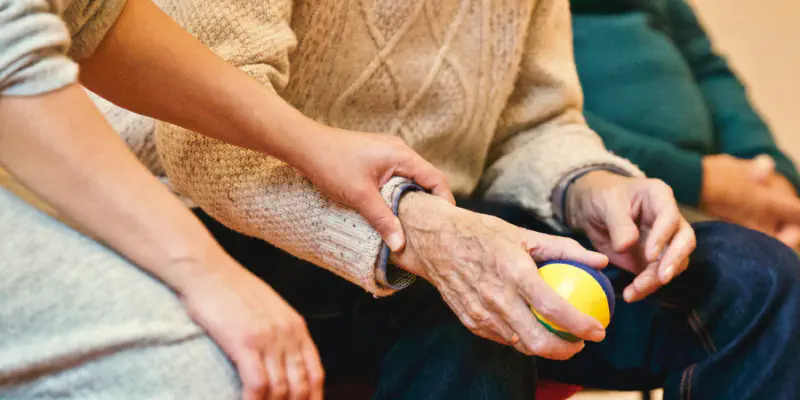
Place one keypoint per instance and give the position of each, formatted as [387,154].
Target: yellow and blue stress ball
[586,288]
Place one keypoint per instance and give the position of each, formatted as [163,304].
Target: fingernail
[667,274]
[643,283]
[394,241]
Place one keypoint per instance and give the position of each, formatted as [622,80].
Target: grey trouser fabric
[77,321]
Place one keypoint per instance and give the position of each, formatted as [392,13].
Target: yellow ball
[585,288]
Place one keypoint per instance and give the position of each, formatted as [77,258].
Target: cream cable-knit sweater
[485,90]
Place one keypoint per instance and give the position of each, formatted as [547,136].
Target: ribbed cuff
[559,196]
[388,275]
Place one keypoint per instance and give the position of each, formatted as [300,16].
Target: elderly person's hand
[263,336]
[485,269]
[636,223]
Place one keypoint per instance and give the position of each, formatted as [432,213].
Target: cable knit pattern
[485,90]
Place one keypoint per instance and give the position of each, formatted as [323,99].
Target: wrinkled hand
[636,223]
[350,168]
[485,270]
[763,174]
[261,334]
[761,202]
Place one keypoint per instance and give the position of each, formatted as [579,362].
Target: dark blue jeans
[728,328]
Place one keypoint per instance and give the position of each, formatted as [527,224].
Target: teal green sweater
[659,95]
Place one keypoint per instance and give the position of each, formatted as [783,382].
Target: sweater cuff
[559,196]
[388,275]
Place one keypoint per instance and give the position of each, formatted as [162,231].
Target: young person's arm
[62,149]
[149,65]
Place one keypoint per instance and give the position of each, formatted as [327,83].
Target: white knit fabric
[487,91]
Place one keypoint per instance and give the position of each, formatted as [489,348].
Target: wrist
[188,272]
[709,190]
[421,215]
[584,186]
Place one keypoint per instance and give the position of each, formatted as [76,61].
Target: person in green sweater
[659,95]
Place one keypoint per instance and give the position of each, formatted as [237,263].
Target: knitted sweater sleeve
[542,137]
[255,194]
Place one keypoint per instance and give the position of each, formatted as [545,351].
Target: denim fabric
[725,329]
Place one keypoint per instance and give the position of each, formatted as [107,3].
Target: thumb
[548,248]
[761,168]
[789,235]
[375,210]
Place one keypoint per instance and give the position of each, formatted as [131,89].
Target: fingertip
[623,243]
[597,260]
[443,191]
[629,294]
[395,242]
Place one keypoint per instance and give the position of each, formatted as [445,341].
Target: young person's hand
[135,67]
[264,337]
[350,168]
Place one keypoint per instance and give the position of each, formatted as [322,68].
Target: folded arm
[681,169]
[739,129]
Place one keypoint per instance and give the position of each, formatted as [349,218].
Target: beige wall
[762,41]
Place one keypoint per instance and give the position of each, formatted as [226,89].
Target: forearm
[73,160]
[151,66]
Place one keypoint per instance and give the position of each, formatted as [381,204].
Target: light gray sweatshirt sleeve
[35,41]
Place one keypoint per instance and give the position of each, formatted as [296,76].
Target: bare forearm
[71,158]
[151,66]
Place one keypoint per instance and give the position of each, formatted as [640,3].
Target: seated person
[487,92]
[171,314]
[659,95]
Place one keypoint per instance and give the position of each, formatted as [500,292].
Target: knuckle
[255,334]
[546,308]
[301,390]
[660,186]
[470,324]
[572,244]
[283,327]
[317,377]
[298,324]
[279,389]
[258,384]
